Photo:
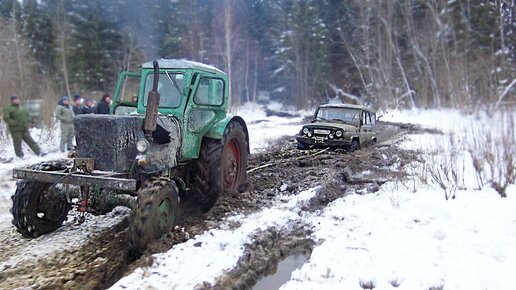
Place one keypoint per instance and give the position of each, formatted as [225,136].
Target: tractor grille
[109,139]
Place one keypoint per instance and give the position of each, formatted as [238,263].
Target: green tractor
[169,136]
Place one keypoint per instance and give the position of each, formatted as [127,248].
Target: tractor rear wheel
[37,207]
[155,213]
[221,167]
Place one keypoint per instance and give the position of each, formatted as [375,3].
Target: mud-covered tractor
[169,136]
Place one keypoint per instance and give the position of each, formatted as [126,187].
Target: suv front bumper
[311,141]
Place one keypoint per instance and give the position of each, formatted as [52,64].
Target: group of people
[18,121]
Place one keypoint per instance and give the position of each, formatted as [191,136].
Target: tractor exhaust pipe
[151,114]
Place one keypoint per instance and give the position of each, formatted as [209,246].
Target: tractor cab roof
[165,63]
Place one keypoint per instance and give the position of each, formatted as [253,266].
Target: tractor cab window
[170,89]
[127,98]
[210,92]
[129,89]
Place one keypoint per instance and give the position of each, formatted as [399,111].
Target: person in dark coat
[89,107]
[103,105]
[77,105]
[17,120]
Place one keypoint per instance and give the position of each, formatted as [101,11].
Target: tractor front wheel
[155,213]
[37,210]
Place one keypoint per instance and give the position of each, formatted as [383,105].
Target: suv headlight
[306,131]
[338,133]
[142,145]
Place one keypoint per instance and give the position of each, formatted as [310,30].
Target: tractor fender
[217,130]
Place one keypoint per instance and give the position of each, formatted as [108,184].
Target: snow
[417,240]
[215,251]
[266,130]
[407,235]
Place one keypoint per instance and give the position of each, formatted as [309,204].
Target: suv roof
[183,64]
[350,106]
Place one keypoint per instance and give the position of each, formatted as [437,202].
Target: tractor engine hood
[111,140]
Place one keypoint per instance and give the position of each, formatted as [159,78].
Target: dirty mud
[103,258]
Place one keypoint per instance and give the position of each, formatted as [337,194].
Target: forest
[392,54]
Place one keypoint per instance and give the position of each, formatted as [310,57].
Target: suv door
[366,130]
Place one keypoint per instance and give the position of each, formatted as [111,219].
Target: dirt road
[94,256]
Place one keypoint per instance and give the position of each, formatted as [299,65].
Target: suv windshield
[170,89]
[338,114]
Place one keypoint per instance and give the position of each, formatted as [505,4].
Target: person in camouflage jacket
[65,115]
[17,120]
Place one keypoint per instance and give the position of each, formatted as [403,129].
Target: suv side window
[366,117]
[210,92]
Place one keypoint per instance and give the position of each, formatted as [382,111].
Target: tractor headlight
[338,133]
[330,136]
[306,131]
[142,145]
[309,134]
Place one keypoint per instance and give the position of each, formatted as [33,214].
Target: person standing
[77,105]
[65,114]
[103,105]
[17,120]
[89,108]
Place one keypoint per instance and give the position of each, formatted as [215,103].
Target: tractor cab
[192,93]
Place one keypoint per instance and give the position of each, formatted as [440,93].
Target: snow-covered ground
[407,235]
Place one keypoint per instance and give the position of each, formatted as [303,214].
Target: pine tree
[38,30]
[95,44]
[302,51]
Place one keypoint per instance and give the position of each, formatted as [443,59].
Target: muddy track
[338,174]
[103,259]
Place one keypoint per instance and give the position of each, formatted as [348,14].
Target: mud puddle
[281,273]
